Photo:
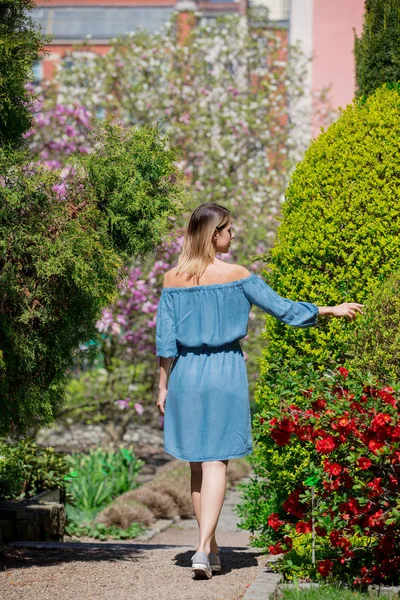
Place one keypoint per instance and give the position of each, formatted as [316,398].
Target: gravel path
[157,570]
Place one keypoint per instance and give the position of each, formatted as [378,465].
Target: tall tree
[20,44]
[377,51]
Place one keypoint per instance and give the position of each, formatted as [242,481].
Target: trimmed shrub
[376,343]
[377,51]
[339,239]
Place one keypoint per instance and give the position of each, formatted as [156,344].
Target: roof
[100,22]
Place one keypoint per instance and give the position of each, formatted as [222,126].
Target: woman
[202,315]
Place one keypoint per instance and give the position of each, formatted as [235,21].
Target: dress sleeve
[166,343]
[296,314]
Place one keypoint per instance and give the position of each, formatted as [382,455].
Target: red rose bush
[342,522]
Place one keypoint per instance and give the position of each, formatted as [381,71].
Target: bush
[21,43]
[377,51]
[27,470]
[339,240]
[347,498]
[375,346]
[136,183]
[62,245]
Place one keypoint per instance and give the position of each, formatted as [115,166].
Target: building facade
[325,30]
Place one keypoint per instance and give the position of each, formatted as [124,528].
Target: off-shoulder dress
[207,409]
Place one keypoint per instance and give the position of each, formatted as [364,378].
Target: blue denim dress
[207,410]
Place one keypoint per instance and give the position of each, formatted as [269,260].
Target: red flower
[380,421]
[274,521]
[375,445]
[321,531]
[332,468]
[307,393]
[282,431]
[262,420]
[304,433]
[318,404]
[293,506]
[334,537]
[326,445]
[375,520]
[277,549]
[344,372]
[288,543]
[324,567]
[303,527]
[364,463]
[353,506]
[386,395]
[280,437]
[376,488]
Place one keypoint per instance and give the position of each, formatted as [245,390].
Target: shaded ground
[158,570]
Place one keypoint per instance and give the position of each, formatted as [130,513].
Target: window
[37,69]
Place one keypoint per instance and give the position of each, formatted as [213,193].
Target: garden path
[158,569]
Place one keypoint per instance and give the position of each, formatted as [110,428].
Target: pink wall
[333,46]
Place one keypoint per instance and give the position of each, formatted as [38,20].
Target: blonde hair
[198,250]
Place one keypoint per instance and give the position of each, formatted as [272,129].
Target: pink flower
[139,408]
[60,189]
[122,403]
[29,133]
[185,118]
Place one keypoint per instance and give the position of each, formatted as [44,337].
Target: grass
[328,592]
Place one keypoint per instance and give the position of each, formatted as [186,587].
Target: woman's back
[219,272]
[216,314]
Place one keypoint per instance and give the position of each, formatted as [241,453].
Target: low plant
[338,520]
[100,531]
[27,470]
[328,592]
[94,480]
[166,496]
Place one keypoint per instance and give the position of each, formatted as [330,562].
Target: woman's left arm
[165,366]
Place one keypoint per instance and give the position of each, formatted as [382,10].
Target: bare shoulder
[170,277]
[241,272]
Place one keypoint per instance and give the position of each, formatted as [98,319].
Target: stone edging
[158,527]
[265,586]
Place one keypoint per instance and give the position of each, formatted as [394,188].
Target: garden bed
[314,591]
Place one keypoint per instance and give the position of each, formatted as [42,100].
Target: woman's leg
[213,487]
[195,487]
[196,477]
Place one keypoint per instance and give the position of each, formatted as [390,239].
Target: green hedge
[339,239]
[376,342]
[340,234]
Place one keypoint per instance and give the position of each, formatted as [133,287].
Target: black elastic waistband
[205,349]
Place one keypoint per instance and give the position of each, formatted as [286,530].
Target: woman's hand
[347,309]
[162,396]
